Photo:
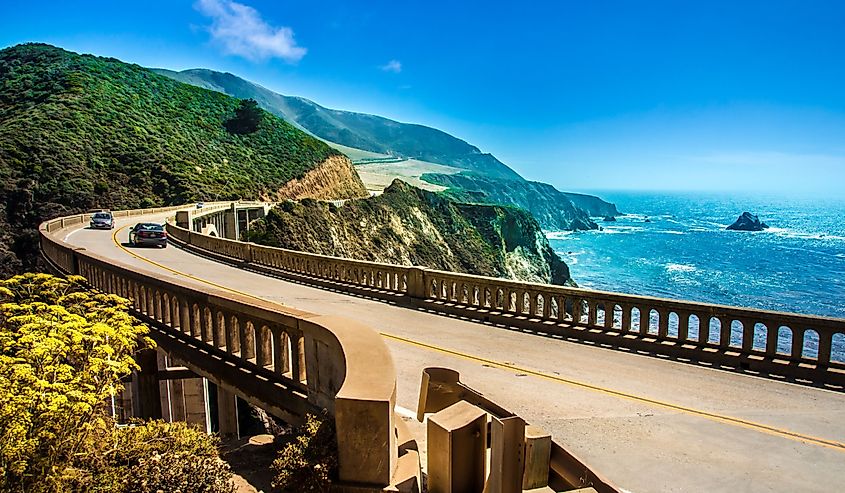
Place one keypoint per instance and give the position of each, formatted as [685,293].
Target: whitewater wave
[558,235]
[803,235]
[680,268]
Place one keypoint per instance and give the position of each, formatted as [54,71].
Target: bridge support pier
[147,404]
[227,413]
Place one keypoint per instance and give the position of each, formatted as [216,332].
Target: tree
[246,119]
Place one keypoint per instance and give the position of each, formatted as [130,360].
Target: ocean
[674,245]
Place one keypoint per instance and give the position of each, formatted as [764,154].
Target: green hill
[359,130]
[481,181]
[79,132]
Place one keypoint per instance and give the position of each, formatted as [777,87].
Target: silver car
[102,220]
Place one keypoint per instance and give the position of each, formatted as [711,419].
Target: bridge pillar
[227,413]
[416,283]
[230,227]
[147,404]
[183,219]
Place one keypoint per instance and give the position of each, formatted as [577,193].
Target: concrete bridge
[657,395]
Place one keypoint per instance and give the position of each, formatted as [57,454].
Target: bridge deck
[647,424]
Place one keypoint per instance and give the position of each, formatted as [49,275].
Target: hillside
[409,226]
[359,130]
[80,132]
[552,209]
[359,133]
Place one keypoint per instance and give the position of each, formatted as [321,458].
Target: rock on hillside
[409,226]
[748,222]
[79,132]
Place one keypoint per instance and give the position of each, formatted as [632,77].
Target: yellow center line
[764,428]
[174,271]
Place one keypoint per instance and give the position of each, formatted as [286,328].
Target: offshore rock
[609,219]
[748,222]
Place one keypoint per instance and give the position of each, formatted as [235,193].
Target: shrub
[63,351]
[307,461]
[156,456]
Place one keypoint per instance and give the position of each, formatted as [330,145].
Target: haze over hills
[479,177]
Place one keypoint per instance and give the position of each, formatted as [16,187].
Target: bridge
[656,395]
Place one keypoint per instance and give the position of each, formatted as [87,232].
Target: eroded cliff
[334,178]
[409,226]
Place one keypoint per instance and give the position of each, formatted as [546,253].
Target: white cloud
[394,66]
[240,30]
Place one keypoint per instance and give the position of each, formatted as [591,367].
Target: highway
[647,424]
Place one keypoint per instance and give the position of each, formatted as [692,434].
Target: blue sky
[584,95]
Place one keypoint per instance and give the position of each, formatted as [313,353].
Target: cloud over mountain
[240,30]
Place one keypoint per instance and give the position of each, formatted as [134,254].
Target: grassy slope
[78,132]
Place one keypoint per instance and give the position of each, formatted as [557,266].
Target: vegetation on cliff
[63,353]
[552,209]
[409,226]
[79,132]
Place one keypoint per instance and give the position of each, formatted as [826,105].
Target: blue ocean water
[684,252]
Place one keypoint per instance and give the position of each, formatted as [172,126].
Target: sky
[598,95]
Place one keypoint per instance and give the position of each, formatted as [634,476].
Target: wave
[803,235]
[680,268]
[558,235]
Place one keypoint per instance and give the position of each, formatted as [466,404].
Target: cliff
[334,178]
[409,226]
[554,210]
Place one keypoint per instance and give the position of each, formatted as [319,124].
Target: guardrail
[287,361]
[772,343]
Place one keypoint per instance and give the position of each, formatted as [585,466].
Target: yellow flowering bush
[63,352]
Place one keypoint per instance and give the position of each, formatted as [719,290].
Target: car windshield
[150,227]
[102,215]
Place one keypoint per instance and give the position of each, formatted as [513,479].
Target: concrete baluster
[663,323]
[683,325]
[825,346]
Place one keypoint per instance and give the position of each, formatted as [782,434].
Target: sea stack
[748,222]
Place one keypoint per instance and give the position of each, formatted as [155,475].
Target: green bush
[155,456]
[307,461]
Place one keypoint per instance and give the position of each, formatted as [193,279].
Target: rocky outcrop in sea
[748,222]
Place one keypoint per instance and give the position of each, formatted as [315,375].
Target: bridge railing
[287,361]
[776,343]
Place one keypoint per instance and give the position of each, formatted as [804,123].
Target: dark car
[143,234]
[102,220]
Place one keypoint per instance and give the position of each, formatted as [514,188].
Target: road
[647,424]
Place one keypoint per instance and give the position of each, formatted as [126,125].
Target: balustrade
[299,362]
[698,327]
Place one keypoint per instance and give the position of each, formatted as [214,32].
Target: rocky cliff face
[409,226]
[334,178]
[553,209]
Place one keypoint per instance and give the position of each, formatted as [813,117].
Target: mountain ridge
[558,210]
